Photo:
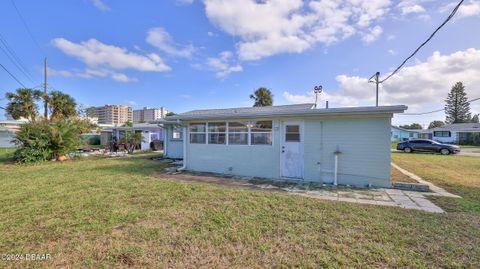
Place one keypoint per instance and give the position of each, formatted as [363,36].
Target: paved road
[470,152]
[474,152]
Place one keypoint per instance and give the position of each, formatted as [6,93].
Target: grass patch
[126,212]
[457,174]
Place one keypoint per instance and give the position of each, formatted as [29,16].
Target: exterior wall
[243,160]
[149,114]
[400,135]
[111,114]
[173,147]
[365,153]
[364,158]
[451,139]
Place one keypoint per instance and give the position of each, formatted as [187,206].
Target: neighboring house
[150,133]
[148,114]
[456,133]
[296,142]
[401,134]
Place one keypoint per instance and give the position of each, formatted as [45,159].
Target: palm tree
[62,106]
[131,140]
[22,103]
[262,97]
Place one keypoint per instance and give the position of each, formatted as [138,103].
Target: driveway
[475,152]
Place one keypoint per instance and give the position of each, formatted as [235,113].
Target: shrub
[41,141]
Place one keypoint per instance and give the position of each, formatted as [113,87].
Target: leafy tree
[22,103]
[62,106]
[413,126]
[131,140]
[170,114]
[435,124]
[262,97]
[128,124]
[457,107]
[475,119]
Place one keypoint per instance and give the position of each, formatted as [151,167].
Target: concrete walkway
[381,197]
[385,197]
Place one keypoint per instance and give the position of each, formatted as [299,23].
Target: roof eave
[309,112]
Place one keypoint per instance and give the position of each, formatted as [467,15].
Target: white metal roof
[282,111]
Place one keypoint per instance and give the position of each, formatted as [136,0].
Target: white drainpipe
[165,142]
[184,166]
[335,179]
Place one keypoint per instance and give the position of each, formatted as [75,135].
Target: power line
[26,27]
[16,57]
[17,63]
[434,111]
[425,42]
[15,78]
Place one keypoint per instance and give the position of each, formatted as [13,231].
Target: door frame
[301,124]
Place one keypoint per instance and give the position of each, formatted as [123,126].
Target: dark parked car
[426,145]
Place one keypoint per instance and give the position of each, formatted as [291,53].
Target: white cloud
[372,34]
[162,40]
[272,27]
[184,2]
[92,73]
[422,86]
[99,4]
[104,60]
[410,6]
[392,52]
[224,64]
[97,54]
[472,8]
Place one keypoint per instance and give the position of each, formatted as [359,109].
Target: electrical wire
[434,111]
[16,57]
[26,27]
[15,62]
[13,76]
[454,11]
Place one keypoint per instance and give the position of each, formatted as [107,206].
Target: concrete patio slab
[377,197]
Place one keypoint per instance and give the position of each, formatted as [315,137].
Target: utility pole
[45,87]
[377,82]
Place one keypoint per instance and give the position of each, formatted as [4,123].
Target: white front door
[292,149]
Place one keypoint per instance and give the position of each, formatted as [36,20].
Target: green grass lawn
[126,212]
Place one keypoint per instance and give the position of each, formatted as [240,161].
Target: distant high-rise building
[111,114]
[148,114]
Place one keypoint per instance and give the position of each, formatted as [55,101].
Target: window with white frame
[198,133]
[238,133]
[177,132]
[261,132]
[217,132]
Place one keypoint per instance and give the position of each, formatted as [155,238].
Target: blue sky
[189,54]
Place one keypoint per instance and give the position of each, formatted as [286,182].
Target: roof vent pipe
[326,104]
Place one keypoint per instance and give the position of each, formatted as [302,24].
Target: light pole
[317,90]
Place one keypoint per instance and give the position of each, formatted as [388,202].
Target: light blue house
[347,146]
[400,134]
[150,133]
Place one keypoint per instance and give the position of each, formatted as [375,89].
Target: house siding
[365,151]
[364,144]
